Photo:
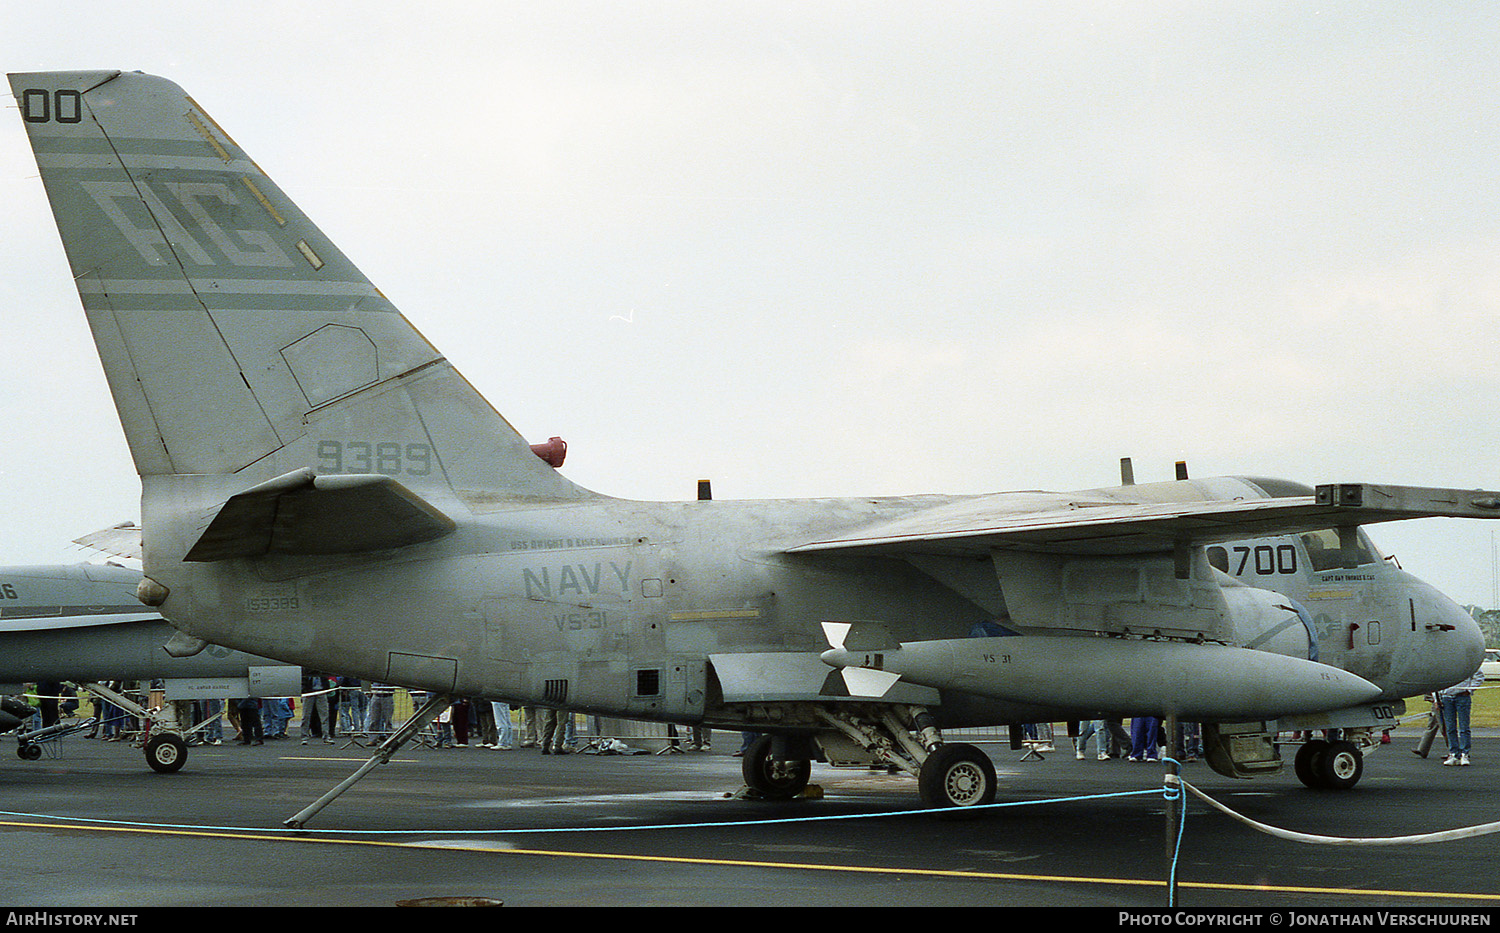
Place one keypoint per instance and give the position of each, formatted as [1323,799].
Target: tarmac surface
[94,827]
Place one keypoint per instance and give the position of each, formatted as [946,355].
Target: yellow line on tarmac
[750,863]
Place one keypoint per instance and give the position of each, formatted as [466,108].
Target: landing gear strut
[949,775]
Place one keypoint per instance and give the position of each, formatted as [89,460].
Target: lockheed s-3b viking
[320,485]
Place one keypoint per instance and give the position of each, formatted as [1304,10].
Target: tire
[1341,766]
[771,778]
[29,752]
[166,753]
[1308,763]
[957,775]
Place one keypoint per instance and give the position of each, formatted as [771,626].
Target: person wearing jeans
[1456,701]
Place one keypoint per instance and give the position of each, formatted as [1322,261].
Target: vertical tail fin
[236,338]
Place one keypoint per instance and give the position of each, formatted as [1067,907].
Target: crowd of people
[332,706]
[1144,741]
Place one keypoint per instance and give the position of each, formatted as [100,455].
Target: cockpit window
[1324,554]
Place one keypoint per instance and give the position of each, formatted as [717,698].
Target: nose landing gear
[1329,765]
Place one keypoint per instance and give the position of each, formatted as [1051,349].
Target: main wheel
[166,753]
[772,778]
[956,775]
[29,752]
[1308,763]
[1341,766]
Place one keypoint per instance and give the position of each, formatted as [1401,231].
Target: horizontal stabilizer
[123,540]
[302,513]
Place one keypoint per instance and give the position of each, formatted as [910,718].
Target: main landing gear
[949,775]
[956,775]
[771,777]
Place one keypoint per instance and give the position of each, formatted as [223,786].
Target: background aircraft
[320,484]
[83,623]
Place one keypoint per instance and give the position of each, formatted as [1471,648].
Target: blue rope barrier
[573,829]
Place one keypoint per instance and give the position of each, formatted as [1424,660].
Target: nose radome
[1470,641]
[1461,645]
[1445,645]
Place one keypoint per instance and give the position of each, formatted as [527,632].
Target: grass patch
[1485,714]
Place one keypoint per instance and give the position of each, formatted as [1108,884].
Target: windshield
[1324,554]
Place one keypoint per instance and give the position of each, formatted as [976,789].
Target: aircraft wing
[302,513]
[1093,526]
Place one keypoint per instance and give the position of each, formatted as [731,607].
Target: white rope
[1447,835]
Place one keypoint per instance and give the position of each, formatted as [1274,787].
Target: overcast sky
[830,248]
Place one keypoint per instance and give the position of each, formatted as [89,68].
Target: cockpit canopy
[1321,547]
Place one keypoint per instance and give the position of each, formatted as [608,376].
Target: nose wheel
[166,753]
[1324,765]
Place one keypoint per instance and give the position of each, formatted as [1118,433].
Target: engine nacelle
[1268,621]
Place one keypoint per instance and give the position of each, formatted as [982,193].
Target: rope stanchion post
[1171,787]
[1176,797]
[1170,780]
[1176,811]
